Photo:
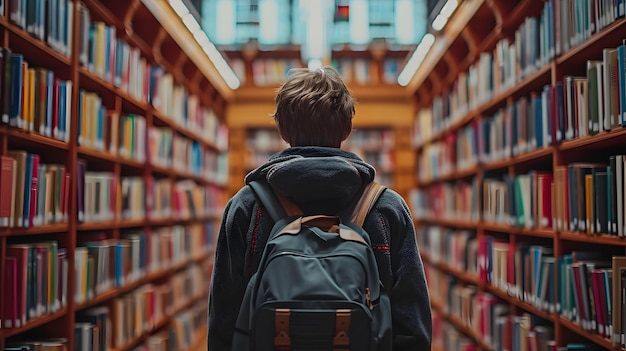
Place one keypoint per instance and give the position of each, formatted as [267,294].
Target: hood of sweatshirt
[316,177]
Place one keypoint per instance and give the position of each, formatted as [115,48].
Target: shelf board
[40,230]
[521,304]
[595,338]
[461,327]
[449,223]
[448,177]
[130,344]
[28,138]
[109,92]
[606,239]
[503,228]
[593,46]
[37,52]
[604,139]
[529,157]
[457,23]
[117,291]
[108,158]
[33,323]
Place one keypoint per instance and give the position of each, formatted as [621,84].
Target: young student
[314,112]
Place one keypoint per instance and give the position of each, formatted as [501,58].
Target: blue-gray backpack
[317,286]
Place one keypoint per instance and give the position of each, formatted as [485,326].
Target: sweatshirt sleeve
[228,281]
[410,300]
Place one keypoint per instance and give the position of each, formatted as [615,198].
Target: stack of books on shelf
[520,199]
[112,173]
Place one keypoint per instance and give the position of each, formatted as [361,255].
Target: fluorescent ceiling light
[210,50]
[446,11]
[179,7]
[416,59]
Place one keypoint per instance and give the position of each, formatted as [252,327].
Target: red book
[598,289]
[34,189]
[20,252]
[6,189]
[9,303]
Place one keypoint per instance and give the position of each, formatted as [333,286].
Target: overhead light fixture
[208,47]
[416,59]
[446,11]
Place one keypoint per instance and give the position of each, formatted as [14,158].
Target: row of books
[272,71]
[513,60]
[129,137]
[525,271]
[591,199]
[558,112]
[584,286]
[51,22]
[102,197]
[105,264]
[33,98]
[94,330]
[121,64]
[35,281]
[523,200]
[447,201]
[144,308]
[488,319]
[32,193]
[364,71]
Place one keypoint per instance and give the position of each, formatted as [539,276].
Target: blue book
[100,133]
[62,106]
[107,53]
[119,60]
[15,103]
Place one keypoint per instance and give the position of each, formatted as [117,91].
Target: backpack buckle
[282,341]
[341,341]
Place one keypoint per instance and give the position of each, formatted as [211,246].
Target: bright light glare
[416,59]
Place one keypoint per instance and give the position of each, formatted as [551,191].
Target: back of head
[314,108]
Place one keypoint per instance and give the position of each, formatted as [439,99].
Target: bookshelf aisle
[519,131]
[113,172]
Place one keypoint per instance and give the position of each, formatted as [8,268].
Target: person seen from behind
[314,112]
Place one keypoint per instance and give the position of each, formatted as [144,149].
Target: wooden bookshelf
[193,198]
[477,28]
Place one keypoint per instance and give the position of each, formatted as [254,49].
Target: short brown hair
[314,108]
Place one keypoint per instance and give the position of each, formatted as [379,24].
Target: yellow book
[29,98]
[128,137]
[99,59]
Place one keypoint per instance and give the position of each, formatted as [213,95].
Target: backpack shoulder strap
[368,198]
[277,205]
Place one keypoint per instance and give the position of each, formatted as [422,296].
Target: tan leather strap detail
[351,235]
[326,223]
[329,224]
[282,341]
[367,200]
[341,341]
